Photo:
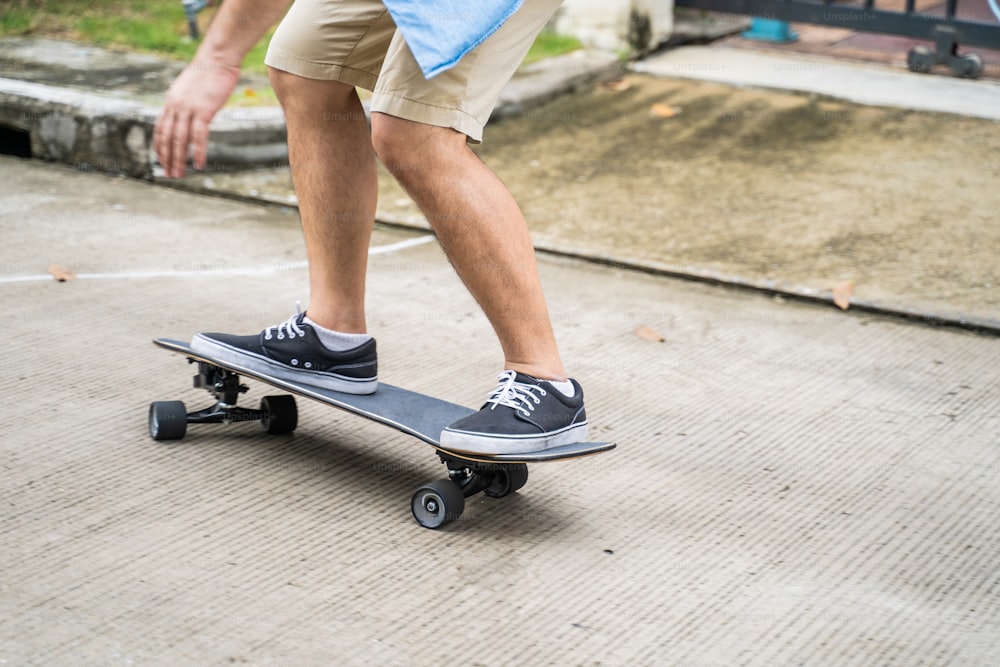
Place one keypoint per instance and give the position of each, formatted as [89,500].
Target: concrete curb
[96,132]
[88,131]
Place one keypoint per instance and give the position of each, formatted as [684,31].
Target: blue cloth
[440,32]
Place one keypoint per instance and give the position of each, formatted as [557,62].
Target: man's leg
[482,231]
[319,53]
[333,170]
[486,238]
[420,128]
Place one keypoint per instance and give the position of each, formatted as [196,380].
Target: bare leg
[482,231]
[333,170]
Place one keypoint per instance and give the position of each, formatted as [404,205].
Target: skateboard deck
[413,413]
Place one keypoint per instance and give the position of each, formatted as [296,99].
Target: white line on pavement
[187,273]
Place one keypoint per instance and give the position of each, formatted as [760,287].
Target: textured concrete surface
[793,485]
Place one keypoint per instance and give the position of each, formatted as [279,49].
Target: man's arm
[207,82]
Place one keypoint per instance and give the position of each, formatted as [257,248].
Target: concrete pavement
[794,485]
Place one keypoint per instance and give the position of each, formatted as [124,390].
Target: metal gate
[946,31]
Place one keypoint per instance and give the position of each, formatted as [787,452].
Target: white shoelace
[288,329]
[516,395]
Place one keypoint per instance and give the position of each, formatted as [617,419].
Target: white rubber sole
[466,442]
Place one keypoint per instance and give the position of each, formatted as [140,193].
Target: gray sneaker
[292,351]
[522,415]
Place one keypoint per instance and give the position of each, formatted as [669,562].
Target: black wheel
[281,414]
[437,503]
[167,420]
[508,479]
[920,59]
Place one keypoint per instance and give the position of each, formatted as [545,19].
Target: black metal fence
[945,30]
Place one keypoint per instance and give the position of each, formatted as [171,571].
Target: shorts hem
[429,114]
[286,62]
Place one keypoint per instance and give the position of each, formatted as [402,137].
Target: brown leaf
[618,85]
[647,333]
[61,273]
[661,110]
[842,293]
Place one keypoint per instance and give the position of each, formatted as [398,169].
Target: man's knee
[404,145]
[281,81]
[389,138]
[291,87]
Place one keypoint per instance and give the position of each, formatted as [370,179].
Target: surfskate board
[419,415]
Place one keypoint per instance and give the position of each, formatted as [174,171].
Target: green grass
[551,44]
[15,21]
[146,26]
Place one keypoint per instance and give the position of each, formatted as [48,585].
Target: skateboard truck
[494,479]
[441,501]
[168,420]
[226,388]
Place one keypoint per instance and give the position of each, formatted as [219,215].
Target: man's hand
[204,86]
[192,101]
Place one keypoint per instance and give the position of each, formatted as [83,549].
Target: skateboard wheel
[507,479]
[437,503]
[167,420]
[281,415]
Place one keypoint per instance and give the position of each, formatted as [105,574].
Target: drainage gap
[15,142]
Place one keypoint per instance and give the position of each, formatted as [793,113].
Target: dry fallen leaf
[60,273]
[660,110]
[618,85]
[647,333]
[842,293]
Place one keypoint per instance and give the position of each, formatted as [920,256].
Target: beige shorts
[356,42]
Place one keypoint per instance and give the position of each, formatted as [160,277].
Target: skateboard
[421,416]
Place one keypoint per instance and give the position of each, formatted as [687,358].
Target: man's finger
[199,140]
[179,145]
[161,139]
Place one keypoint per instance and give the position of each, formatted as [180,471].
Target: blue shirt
[440,32]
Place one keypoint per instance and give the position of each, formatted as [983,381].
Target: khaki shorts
[356,42]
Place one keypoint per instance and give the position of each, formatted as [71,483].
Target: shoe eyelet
[308,364]
[295,362]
